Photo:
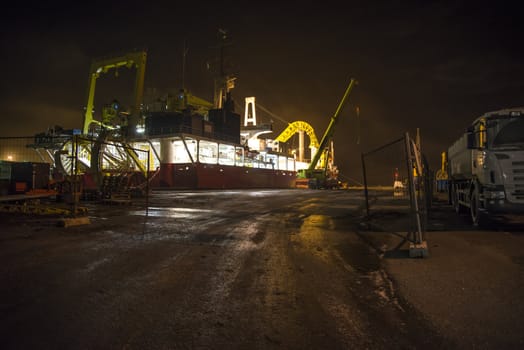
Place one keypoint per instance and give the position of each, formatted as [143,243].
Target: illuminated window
[282,163]
[226,154]
[239,156]
[180,154]
[208,152]
[292,164]
[271,161]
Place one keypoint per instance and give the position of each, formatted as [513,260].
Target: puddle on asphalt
[318,221]
[179,213]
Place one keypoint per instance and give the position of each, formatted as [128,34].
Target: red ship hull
[214,176]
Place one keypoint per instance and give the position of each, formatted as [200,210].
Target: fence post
[365,184]
[419,248]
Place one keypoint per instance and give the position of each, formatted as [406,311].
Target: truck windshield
[506,132]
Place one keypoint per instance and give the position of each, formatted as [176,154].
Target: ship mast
[223,83]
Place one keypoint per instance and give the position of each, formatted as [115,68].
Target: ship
[178,141]
[172,141]
[200,145]
[215,149]
[203,145]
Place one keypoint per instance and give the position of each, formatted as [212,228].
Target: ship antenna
[184,54]
[221,81]
[222,39]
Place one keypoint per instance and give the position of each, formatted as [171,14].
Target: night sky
[429,65]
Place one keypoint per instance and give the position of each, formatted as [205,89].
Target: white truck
[486,167]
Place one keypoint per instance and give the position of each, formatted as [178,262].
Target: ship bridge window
[226,154]
[208,152]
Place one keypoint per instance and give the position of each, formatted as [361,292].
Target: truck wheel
[459,209]
[477,217]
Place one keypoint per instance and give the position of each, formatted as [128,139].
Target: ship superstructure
[212,151]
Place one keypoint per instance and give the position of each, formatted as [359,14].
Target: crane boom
[331,127]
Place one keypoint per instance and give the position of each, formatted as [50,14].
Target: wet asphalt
[259,269]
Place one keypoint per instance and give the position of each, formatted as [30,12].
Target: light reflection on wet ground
[241,269]
[179,213]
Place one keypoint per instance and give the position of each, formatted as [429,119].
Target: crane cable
[267,111]
[272,114]
[279,118]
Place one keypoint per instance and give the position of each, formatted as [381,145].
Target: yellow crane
[300,126]
[100,66]
[314,177]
